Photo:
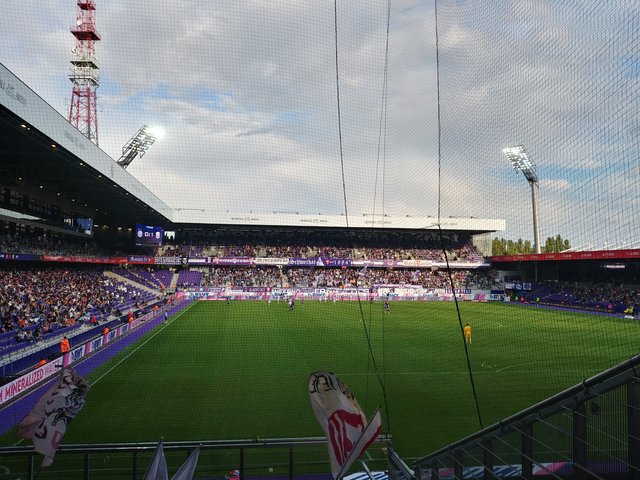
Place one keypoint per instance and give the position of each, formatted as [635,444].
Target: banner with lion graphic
[47,423]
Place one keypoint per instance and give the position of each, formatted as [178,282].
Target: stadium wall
[382,292]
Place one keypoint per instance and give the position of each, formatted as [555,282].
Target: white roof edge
[201,216]
[18,98]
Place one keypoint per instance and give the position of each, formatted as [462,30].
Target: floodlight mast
[521,162]
[83,110]
[137,146]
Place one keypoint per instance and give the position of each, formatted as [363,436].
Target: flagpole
[357,449]
[367,470]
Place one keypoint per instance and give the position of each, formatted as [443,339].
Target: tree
[502,246]
[498,246]
[556,244]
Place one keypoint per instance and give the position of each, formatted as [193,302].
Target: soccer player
[386,306]
[467,333]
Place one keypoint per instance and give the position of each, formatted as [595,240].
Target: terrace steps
[120,278]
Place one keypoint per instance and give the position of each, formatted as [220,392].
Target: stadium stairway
[121,279]
[174,282]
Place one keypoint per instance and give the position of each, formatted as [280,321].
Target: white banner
[157,469]
[47,423]
[271,261]
[75,355]
[28,380]
[336,409]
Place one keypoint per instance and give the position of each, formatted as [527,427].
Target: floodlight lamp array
[521,162]
[137,146]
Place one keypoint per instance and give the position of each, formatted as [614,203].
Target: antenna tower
[83,113]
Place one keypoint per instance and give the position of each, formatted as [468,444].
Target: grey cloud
[221,77]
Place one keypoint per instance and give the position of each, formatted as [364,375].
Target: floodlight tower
[521,162]
[83,112]
[138,145]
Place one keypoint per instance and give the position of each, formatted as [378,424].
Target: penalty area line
[142,344]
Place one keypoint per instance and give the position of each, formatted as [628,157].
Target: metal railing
[591,430]
[285,457]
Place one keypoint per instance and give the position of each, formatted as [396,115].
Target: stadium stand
[48,243]
[588,296]
[308,277]
[189,278]
[40,304]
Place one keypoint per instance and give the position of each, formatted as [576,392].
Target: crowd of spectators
[43,244]
[338,278]
[47,243]
[619,298]
[466,252]
[35,301]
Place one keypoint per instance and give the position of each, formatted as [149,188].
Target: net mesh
[247,96]
[560,80]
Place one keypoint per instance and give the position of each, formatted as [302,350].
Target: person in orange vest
[105,330]
[64,345]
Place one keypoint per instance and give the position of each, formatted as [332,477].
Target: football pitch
[237,371]
[240,371]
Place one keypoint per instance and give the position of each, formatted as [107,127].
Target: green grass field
[238,371]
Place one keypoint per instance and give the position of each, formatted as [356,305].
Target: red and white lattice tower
[83,112]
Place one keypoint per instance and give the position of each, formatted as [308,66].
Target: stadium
[343,207]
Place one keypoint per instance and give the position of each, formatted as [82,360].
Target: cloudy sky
[246,92]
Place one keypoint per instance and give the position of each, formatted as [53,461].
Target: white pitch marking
[139,346]
[165,325]
[143,344]
[431,374]
[522,365]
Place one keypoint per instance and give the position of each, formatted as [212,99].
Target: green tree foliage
[502,246]
[556,244]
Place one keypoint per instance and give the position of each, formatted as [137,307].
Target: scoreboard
[148,235]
